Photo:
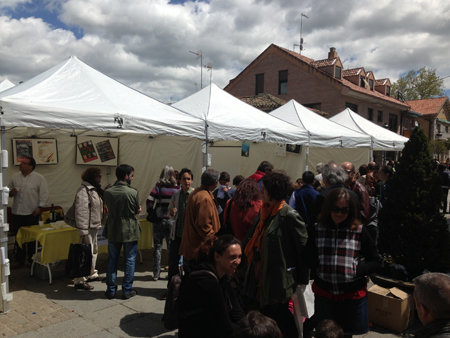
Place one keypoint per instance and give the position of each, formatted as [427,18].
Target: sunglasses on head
[343,210]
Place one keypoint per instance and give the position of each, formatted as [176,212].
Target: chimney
[332,54]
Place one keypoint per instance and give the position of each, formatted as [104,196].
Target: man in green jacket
[122,228]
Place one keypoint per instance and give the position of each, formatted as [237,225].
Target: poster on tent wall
[43,150]
[97,150]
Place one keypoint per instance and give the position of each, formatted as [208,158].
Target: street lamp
[209,68]
[199,53]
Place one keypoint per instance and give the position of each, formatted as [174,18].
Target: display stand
[5,295]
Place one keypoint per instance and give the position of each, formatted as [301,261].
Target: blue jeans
[130,251]
[161,230]
[351,314]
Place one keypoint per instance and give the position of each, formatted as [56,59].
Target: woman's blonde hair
[167,176]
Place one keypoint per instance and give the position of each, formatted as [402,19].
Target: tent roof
[6,84]
[323,132]
[382,138]
[72,95]
[229,118]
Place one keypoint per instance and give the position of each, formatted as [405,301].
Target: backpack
[171,314]
[69,217]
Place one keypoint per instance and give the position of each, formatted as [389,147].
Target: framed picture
[294,148]
[97,150]
[43,150]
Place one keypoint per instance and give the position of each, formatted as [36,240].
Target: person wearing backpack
[158,213]
[88,219]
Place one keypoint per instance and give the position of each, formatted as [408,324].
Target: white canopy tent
[6,84]
[73,95]
[382,139]
[321,131]
[73,100]
[228,118]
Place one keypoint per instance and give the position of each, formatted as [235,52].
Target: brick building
[432,115]
[323,85]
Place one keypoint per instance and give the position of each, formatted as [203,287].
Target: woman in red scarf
[275,254]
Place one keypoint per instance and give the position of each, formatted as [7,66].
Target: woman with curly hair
[275,254]
[158,202]
[241,211]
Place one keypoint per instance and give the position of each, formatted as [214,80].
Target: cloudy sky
[145,43]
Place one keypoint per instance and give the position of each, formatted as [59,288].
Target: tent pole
[371,150]
[307,151]
[205,155]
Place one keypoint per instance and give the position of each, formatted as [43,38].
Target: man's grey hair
[432,290]
[210,177]
[334,175]
[319,167]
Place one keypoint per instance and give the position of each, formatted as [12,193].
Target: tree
[419,84]
[439,148]
[412,230]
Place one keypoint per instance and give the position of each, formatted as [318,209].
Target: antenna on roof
[301,32]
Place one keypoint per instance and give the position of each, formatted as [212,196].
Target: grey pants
[161,230]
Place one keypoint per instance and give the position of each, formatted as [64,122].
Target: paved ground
[58,310]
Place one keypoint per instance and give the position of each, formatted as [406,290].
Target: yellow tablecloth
[55,242]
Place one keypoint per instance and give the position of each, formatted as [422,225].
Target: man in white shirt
[30,193]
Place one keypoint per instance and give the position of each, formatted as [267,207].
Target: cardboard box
[390,308]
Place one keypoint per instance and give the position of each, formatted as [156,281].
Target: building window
[337,72]
[370,114]
[388,91]
[259,88]
[446,129]
[282,82]
[380,116]
[371,84]
[361,82]
[352,106]
[393,122]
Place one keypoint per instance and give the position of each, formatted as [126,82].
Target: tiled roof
[428,106]
[297,55]
[353,71]
[381,82]
[346,82]
[264,102]
[324,62]
[359,89]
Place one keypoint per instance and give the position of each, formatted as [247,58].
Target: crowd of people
[242,250]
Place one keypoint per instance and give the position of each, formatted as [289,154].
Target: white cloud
[146,43]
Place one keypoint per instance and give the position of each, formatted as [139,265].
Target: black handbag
[80,260]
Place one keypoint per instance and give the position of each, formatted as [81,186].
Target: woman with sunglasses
[342,254]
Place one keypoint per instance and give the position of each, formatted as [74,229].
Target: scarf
[256,240]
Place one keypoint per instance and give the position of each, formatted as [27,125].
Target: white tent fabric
[229,118]
[73,95]
[322,132]
[6,84]
[382,139]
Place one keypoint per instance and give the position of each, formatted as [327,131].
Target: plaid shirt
[338,252]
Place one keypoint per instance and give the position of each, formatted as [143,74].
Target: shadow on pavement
[144,325]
